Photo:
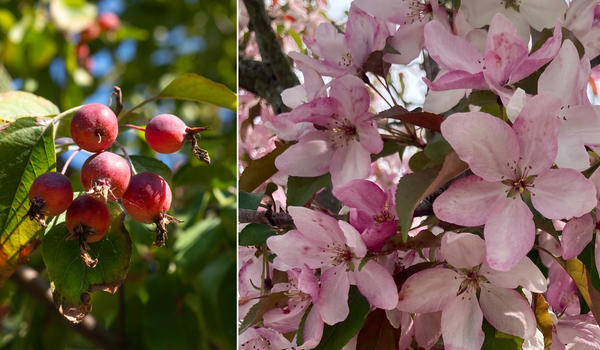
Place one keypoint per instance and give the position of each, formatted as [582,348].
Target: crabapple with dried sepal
[88,220]
[147,200]
[106,175]
[49,195]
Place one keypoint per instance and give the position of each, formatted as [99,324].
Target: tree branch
[275,74]
[258,78]
[29,280]
[264,217]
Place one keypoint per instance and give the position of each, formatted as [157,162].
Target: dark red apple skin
[147,198]
[166,133]
[109,168]
[109,21]
[90,212]
[94,127]
[56,191]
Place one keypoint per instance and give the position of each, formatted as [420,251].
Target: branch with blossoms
[389,204]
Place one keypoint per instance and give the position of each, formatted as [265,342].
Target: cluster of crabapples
[107,177]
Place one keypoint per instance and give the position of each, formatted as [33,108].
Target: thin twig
[59,116]
[126,156]
[68,161]
[119,103]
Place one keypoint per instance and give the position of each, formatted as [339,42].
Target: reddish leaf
[426,120]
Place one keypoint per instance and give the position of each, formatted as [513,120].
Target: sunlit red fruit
[166,133]
[88,217]
[147,198]
[94,127]
[90,33]
[52,193]
[106,174]
[109,21]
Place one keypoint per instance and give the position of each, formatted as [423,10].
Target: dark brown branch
[264,217]
[274,74]
[29,280]
[268,44]
[258,78]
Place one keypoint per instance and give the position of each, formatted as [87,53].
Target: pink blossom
[508,162]
[583,19]
[506,58]
[345,135]
[342,54]
[562,294]
[453,291]
[372,211]
[538,14]
[319,241]
[579,330]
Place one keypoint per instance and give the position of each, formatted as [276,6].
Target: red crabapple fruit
[88,220]
[94,127]
[109,21]
[147,200]
[166,133]
[90,33]
[106,175]
[49,195]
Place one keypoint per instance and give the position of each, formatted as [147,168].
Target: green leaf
[389,148]
[259,170]
[19,104]
[301,189]
[377,333]
[496,340]
[26,152]
[419,161]
[197,244]
[5,79]
[71,279]
[437,150]
[249,200]
[257,310]
[338,335]
[142,164]
[410,190]
[197,88]
[255,234]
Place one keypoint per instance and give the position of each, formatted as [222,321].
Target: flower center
[519,183]
[472,279]
[383,217]
[345,60]
[514,4]
[417,11]
[341,132]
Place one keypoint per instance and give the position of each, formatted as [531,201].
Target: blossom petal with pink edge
[441,101]
[294,250]
[333,298]
[364,34]
[562,294]
[508,311]
[503,50]
[486,143]
[525,274]
[537,129]
[363,195]
[408,41]
[457,79]
[428,329]
[377,285]
[539,58]
[580,127]
[468,201]
[353,239]
[461,322]
[580,329]
[313,330]
[463,250]
[563,194]
[450,51]
[310,157]
[368,135]
[352,96]
[285,320]
[407,331]
[349,163]
[307,282]
[565,67]
[376,235]
[576,235]
[429,290]
[509,233]
[318,111]
[319,228]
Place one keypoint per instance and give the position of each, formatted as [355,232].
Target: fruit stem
[131,126]
[64,168]
[119,102]
[123,115]
[126,156]
[59,116]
